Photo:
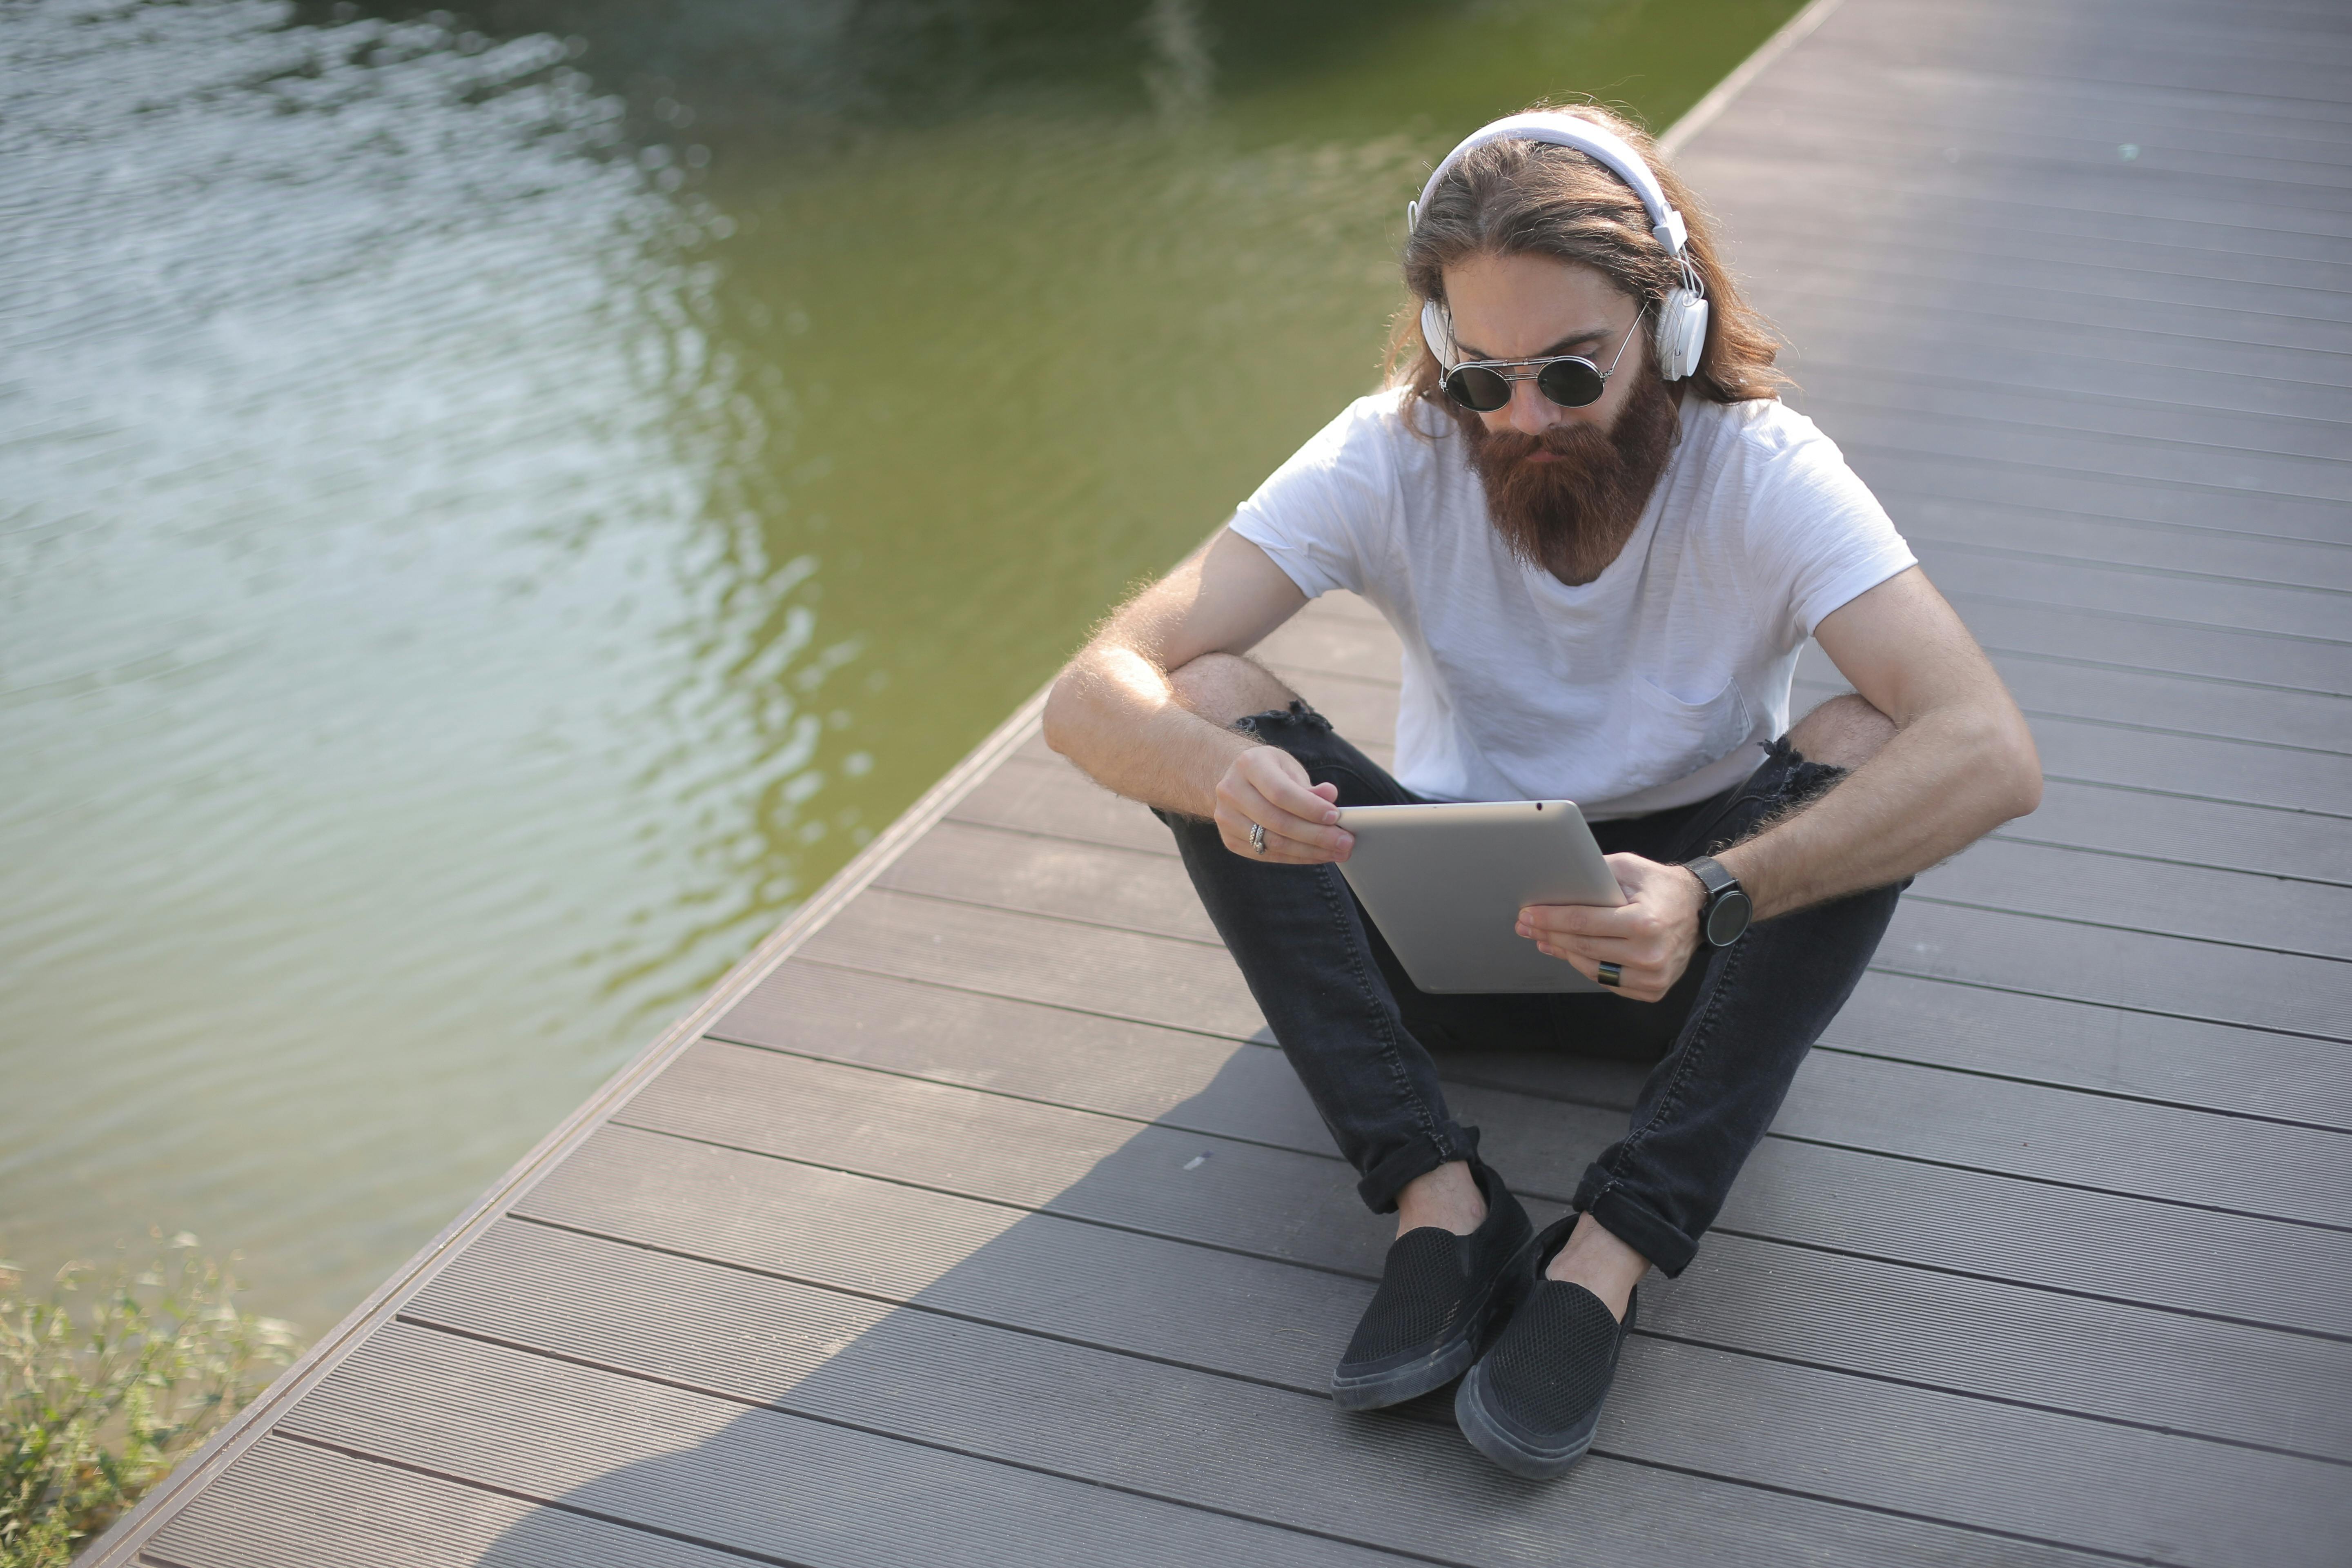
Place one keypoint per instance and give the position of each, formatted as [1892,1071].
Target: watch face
[1728,918]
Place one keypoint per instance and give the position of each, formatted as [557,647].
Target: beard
[1570,516]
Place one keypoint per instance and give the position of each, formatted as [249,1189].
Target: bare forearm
[1939,784]
[1115,714]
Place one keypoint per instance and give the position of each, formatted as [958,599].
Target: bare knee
[1224,687]
[1845,731]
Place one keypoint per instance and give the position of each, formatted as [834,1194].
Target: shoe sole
[1379,1390]
[1521,1458]
[1376,1391]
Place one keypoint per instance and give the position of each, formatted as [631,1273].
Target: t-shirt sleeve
[1819,535]
[1324,515]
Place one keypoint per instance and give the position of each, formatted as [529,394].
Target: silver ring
[1612,974]
[1257,836]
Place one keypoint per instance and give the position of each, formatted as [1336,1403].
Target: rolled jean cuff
[1417,1158]
[1635,1223]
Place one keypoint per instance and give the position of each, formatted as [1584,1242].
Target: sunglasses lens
[1571,383]
[1481,390]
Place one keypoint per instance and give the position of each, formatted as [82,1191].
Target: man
[1604,541]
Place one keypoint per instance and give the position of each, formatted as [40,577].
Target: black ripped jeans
[1727,1039]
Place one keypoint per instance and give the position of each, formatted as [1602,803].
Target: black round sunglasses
[1571,380]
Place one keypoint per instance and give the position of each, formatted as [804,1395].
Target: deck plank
[2191,1063]
[2187,706]
[2128,542]
[296,1505]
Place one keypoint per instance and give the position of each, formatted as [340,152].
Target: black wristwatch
[1723,914]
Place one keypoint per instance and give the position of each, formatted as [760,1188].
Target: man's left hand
[1650,937]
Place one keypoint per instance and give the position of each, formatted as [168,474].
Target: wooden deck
[974,1222]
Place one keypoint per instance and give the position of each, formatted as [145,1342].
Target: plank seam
[2129,1096]
[2075,1292]
[2088,333]
[1804,683]
[2190,795]
[1202,1031]
[1999,836]
[2131,568]
[1884,180]
[2018,391]
[2153,673]
[2113,1005]
[1791,243]
[1965,238]
[1951,903]
[2332,1227]
[327,1446]
[2124,439]
[1903,491]
[2171,621]
[2013,1402]
[2225,94]
[1212,944]
[1890,187]
[2146,239]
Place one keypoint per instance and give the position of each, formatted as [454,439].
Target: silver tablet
[1445,885]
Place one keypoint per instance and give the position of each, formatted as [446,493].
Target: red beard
[1572,515]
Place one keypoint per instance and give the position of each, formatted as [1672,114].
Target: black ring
[1612,974]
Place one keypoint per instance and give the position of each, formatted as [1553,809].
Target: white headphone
[1682,316]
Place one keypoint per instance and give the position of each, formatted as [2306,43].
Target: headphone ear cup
[1682,334]
[1695,337]
[1435,331]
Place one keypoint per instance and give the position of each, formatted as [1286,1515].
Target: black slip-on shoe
[1439,1294]
[1532,1403]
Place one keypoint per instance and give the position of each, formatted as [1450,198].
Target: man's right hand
[1268,785]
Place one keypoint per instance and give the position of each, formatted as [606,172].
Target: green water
[496,509]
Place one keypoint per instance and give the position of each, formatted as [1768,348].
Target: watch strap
[1711,876]
[1724,909]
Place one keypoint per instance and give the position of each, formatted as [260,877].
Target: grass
[110,1380]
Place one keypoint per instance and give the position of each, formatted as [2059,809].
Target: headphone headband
[1681,330]
[1568,131]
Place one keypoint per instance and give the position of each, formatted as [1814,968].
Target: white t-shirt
[1645,688]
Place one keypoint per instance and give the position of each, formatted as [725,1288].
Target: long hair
[1533,198]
